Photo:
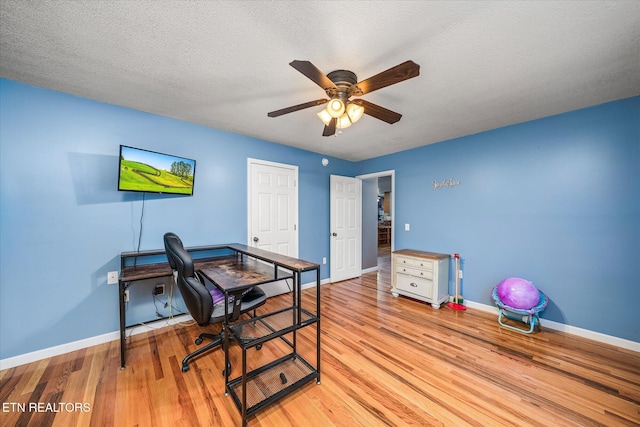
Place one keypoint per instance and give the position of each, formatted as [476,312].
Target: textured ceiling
[224,64]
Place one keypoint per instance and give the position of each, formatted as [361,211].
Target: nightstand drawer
[415,285]
[414,262]
[425,274]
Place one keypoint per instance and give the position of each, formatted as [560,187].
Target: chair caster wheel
[198,341]
[259,347]
[185,368]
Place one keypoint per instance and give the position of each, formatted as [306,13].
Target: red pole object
[454,305]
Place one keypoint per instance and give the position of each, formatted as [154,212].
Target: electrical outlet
[324,260]
[460,274]
[112,278]
[126,295]
[407,227]
[158,290]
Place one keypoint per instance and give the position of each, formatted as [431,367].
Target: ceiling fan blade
[315,75]
[404,71]
[379,112]
[330,129]
[297,107]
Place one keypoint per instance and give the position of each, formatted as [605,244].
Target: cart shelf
[270,382]
[257,330]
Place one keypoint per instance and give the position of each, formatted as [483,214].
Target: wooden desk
[242,267]
[235,274]
[232,278]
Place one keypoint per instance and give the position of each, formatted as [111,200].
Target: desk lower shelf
[270,382]
[263,386]
[257,330]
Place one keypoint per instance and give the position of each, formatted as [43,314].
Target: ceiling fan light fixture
[343,121]
[355,112]
[335,107]
[325,116]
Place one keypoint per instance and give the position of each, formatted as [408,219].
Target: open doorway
[378,211]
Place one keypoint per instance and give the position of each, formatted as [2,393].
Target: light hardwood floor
[385,361]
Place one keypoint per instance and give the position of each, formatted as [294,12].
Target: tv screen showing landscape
[151,172]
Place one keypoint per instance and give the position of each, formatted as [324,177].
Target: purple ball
[518,293]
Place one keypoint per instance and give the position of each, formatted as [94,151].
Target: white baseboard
[369,270]
[34,356]
[585,333]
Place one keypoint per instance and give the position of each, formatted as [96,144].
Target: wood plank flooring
[385,361]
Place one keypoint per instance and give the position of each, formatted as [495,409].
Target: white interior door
[345,227]
[273,211]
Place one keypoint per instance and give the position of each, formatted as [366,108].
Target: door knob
[255,239]
[334,234]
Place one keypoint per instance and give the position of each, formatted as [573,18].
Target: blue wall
[63,223]
[555,200]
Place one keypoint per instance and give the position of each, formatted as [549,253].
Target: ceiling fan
[340,86]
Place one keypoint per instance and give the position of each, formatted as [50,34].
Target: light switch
[406,227]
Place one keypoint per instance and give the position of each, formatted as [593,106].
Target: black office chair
[200,301]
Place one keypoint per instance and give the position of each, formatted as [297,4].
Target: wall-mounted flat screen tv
[151,172]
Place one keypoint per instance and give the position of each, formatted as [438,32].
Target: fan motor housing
[343,79]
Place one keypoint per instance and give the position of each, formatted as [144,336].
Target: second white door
[345,227]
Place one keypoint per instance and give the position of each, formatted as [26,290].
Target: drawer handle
[413,284]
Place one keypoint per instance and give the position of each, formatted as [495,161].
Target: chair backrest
[175,237]
[195,294]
